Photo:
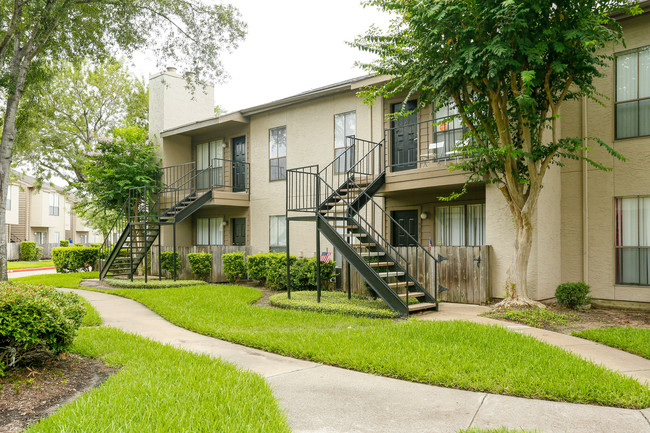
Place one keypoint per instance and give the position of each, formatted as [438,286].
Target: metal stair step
[363,245]
[412,295]
[400,284]
[356,235]
[346,227]
[377,264]
[421,306]
[390,274]
[372,254]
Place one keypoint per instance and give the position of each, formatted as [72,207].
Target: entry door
[405,138]
[408,219]
[239,231]
[239,166]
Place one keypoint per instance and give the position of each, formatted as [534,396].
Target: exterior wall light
[424,215]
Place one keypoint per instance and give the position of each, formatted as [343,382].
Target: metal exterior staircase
[348,216]
[182,191]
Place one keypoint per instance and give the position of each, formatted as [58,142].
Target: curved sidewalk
[324,399]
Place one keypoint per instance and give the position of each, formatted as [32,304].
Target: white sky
[292,46]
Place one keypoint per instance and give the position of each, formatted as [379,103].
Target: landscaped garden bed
[334,303]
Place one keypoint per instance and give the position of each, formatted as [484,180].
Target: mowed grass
[27,265]
[457,354]
[334,302]
[92,317]
[162,389]
[68,280]
[633,340]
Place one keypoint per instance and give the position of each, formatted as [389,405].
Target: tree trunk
[19,73]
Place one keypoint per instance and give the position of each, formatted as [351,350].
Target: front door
[405,138]
[408,219]
[239,164]
[239,231]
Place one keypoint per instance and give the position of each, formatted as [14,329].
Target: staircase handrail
[123,216]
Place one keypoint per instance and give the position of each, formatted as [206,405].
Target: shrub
[201,264]
[38,254]
[97,245]
[79,245]
[27,251]
[303,274]
[233,266]
[37,322]
[74,259]
[64,243]
[573,295]
[276,270]
[256,266]
[167,262]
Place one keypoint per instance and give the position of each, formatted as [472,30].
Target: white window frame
[632,243]
[54,204]
[277,155]
[464,236]
[632,94]
[214,235]
[345,126]
[278,227]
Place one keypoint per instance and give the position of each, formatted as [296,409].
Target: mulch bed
[30,393]
[602,318]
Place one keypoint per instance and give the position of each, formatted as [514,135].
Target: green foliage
[167,262]
[37,322]
[303,274]
[256,266]
[456,354]
[536,317]
[334,303]
[69,280]
[633,340]
[573,295]
[38,253]
[276,270]
[64,243]
[74,259]
[27,251]
[151,284]
[161,388]
[201,264]
[233,265]
[96,244]
[25,265]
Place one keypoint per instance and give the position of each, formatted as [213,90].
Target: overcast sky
[292,46]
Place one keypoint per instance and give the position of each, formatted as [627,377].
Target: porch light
[424,215]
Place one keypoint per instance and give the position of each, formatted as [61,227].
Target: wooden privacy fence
[13,250]
[466,273]
[217,276]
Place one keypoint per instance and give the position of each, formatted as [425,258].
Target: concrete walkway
[322,399]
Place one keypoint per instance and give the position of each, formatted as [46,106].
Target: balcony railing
[222,175]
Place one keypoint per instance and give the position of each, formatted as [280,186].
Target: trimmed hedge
[167,262]
[37,323]
[151,284]
[38,254]
[573,295]
[27,251]
[97,245]
[256,266]
[200,264]
[276,272]
[233,266]
[74,259]
[334,303]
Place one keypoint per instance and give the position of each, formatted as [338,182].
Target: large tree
[80,103]
[508,66]
[190,33]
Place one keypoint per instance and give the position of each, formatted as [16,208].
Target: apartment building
[43,216]
[325,154]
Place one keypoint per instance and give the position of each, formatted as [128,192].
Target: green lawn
[334,302]
[457,354]
[162,389]
[633,340]
[69,280]
[27,265]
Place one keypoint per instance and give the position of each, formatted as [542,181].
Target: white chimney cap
[171,69]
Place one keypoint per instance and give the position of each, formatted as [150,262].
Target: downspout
[585,200]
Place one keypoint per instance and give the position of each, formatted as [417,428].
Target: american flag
[430,243]
[325,257]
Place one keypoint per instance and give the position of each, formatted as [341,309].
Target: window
[278,233]
[83,239]
[633,240]
[345,125]
[40,238]
[8,206]
[462,225]
[210,155]
[278,153]
[54,204]
[209,231]
[57,237]
[446,135]
[633,93]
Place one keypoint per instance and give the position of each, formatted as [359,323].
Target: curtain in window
[345,125]
[203,231]
[450,225]
[217,163]
[278,231]
[476,224]
[632,235]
